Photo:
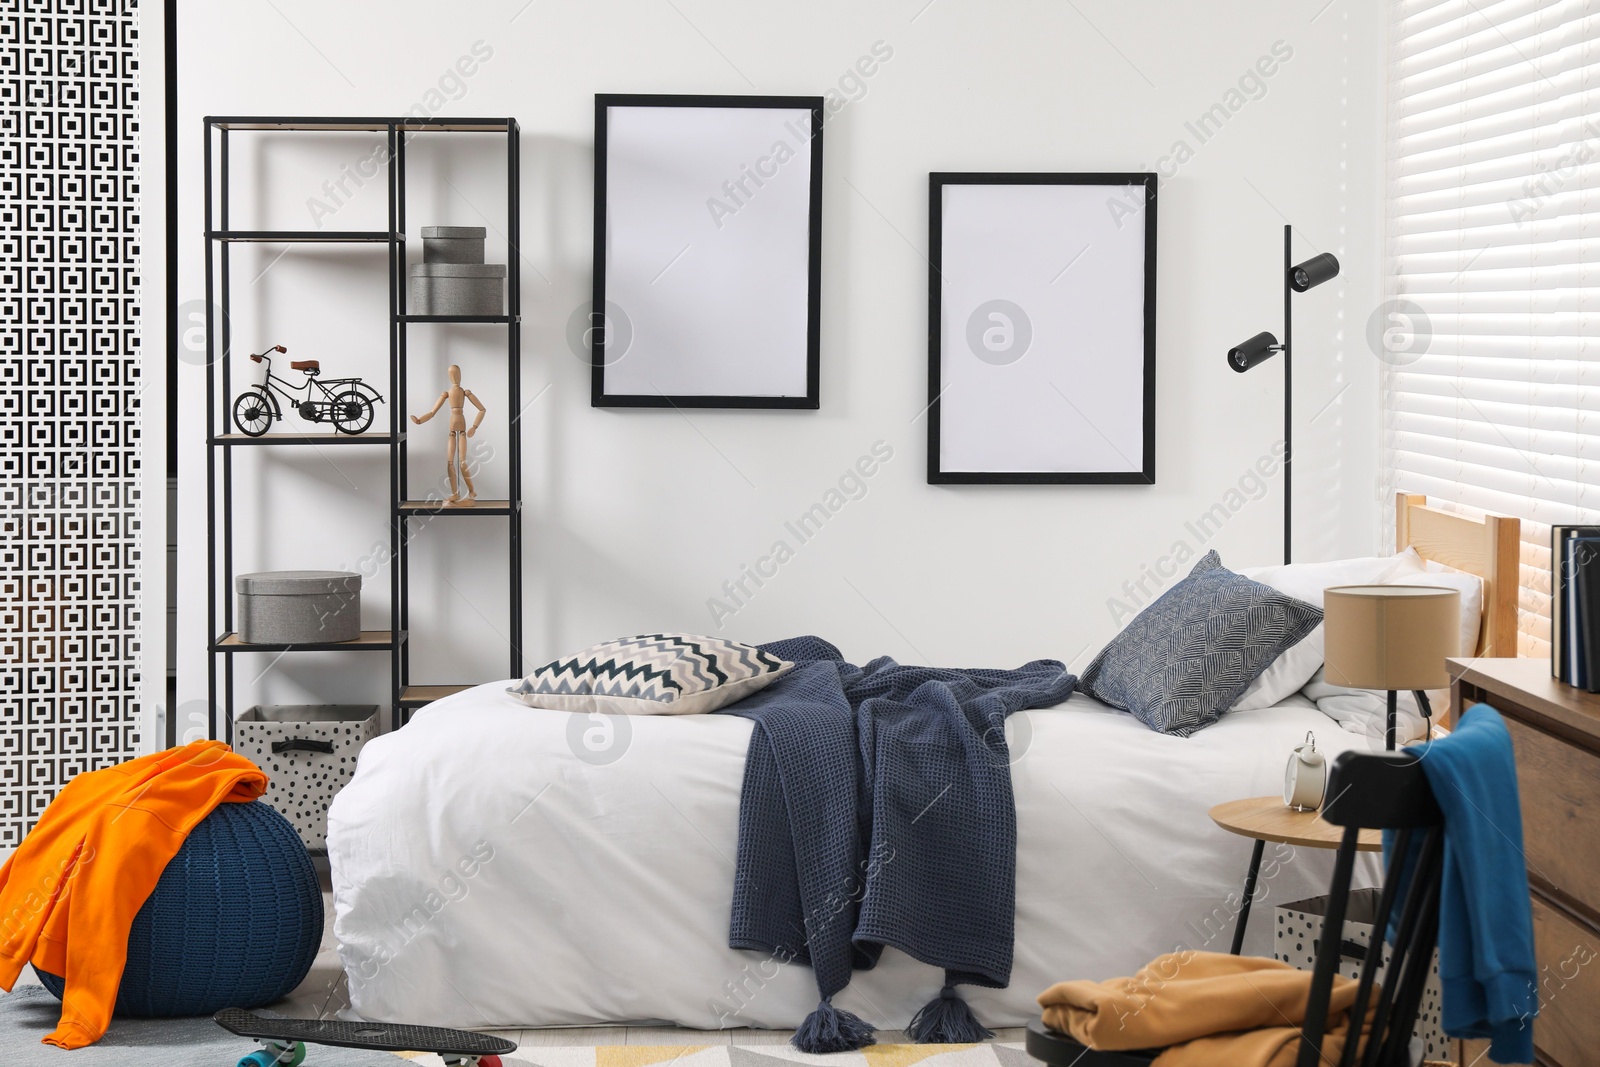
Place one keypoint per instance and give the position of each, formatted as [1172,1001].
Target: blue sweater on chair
[1486,962]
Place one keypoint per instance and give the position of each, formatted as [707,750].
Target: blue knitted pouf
[235,920]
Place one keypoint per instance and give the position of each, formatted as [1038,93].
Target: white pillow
[1417,571]
[1305,581]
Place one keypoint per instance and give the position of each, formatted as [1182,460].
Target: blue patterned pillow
[653,674]
[1186,658]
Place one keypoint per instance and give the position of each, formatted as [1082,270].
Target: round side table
[1267,819]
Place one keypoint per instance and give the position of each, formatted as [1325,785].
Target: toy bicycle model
[345,402]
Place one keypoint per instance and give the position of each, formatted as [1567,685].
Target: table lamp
[1390,637]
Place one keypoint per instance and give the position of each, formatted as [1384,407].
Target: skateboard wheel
[284,1057]
[490,1060]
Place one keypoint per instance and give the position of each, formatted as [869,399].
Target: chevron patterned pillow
[1186,658]
[653,674]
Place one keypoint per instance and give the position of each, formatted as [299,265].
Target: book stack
[1575,606]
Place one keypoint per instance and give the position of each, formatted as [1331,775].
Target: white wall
[635,519]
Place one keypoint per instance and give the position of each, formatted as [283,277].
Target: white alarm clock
[1306,777]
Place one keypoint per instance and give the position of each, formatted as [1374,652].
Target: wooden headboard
[1489,547]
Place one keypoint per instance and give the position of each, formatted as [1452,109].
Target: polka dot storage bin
[1298,932]
[309,752]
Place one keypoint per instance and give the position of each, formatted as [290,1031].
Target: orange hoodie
[69,893]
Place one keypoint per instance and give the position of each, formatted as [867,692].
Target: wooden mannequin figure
[456,448]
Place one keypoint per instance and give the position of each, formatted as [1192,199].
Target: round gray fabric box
[453,244]
[298,607]
[458,288]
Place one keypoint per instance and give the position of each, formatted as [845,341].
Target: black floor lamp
[1260,348]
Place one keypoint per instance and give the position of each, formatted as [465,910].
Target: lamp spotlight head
[1258,349]
[1313,272]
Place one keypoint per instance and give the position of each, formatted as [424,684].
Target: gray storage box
[309,753]
[298,607]
[458,288]
[453,244]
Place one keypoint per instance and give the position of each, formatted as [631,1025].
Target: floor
[323,992]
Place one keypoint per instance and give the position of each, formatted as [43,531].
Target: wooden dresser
[1556,731]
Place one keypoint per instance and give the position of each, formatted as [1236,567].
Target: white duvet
[500,866]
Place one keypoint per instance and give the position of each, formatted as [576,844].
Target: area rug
[30,1012]
[988,1055]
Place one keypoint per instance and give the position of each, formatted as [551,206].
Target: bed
[497,867]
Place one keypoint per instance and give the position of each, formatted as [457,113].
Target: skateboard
[284,1041]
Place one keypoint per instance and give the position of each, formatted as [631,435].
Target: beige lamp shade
[1390,636]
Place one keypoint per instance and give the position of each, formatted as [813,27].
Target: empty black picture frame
[604,393]
[1118,186]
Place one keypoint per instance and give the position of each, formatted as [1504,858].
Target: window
[1491,330]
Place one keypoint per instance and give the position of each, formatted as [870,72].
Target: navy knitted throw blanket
[877,810]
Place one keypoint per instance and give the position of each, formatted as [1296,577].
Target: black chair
[1366,791]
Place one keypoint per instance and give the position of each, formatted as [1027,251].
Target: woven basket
[235,920]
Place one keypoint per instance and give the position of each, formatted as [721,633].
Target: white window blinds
[1491,385]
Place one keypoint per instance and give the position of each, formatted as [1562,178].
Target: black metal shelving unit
[225,645]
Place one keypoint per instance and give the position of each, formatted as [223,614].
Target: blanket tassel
[830,1030]
[947,1020]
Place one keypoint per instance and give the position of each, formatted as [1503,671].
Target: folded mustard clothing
[1203,1008]
[69,893]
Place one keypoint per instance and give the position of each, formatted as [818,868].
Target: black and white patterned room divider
[69,397]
